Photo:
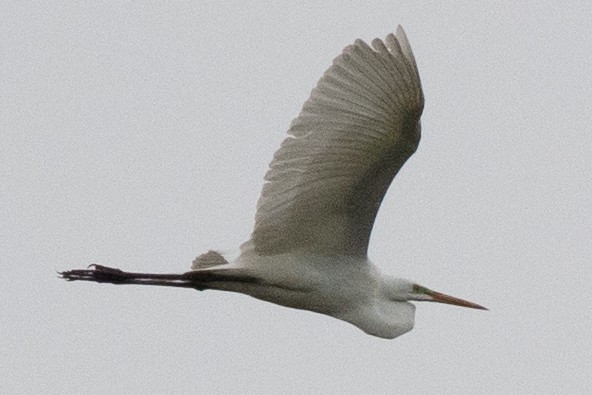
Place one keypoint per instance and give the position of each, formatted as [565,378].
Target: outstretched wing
[327,180]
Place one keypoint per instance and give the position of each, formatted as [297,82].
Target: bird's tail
[208,259]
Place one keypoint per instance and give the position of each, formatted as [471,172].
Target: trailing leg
[196,279]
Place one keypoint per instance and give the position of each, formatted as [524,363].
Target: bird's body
[324,188]
[344,287]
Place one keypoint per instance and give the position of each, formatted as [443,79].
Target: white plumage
[354,133]
[321,196]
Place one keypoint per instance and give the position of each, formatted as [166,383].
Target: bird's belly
[325,285]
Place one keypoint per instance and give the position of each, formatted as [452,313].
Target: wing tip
[400,32]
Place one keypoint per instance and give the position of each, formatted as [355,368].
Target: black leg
[196,279]
[104,274]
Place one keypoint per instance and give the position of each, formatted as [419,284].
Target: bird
[321,195]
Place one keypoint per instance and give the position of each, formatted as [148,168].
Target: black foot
[96,273]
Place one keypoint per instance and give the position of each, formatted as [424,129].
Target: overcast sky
[137,135]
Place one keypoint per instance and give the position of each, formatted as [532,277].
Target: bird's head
[405,290]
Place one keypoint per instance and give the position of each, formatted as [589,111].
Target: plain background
[137,134]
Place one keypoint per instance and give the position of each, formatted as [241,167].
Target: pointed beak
[443,298]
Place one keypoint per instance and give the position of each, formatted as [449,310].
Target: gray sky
[138,135]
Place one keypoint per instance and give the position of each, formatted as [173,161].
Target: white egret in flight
[322,192]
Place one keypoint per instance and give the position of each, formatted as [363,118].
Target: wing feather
[329,176]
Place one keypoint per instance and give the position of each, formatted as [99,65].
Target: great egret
[323,190]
